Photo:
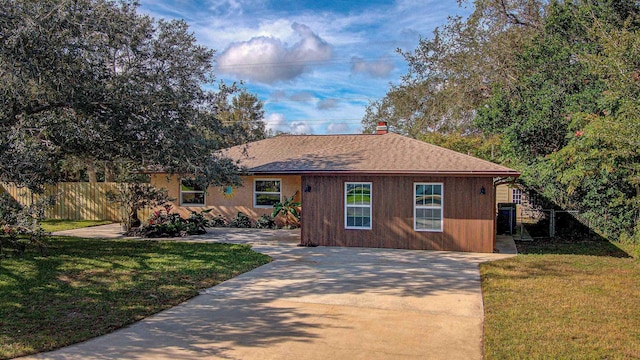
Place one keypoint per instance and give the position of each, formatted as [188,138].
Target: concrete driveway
[316,303]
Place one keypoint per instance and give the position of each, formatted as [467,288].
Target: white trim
[441,207]
[516,199]
[255,197]
[203,192]
[370,206]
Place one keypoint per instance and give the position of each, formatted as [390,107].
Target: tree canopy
[557,83]
[243,117]
[93,79]
[452,72]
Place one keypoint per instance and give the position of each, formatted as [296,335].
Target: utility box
[506,221]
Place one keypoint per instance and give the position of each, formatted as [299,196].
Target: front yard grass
[51,225]
[562,301]
[89,287]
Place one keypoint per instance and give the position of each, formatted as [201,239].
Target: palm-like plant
[286,208]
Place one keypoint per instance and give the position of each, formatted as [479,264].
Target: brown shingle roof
[372,154]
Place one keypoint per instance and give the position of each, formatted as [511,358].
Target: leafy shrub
[164,223]
[288,208]
[265,221]
[9,209]
[218,221]
[135,196]
[197,221]
[20,225]
[631,244]
[241,221]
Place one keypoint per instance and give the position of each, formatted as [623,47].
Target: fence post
[552,223]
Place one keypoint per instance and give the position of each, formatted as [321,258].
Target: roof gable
[381,154]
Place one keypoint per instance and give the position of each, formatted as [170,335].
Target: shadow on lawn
[88,287]
[560,246]
[572,238]
[253,312]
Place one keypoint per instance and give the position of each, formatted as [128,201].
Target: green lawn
[89,287]
[562,301]
[59,225]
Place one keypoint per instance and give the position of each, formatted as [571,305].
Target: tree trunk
[91,171]
[108,172]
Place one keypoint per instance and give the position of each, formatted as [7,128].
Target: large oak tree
[95,80]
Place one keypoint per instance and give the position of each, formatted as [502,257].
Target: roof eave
[479,173]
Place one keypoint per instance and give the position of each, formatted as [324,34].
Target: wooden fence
[73,200]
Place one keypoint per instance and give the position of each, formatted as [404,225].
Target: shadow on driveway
[316,303]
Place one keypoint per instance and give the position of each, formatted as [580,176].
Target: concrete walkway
[315,303]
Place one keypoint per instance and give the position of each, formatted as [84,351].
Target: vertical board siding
[469,217]
[74,201]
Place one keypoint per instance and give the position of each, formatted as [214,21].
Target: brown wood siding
[469,220]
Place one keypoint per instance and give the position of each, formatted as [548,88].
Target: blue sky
[314,64]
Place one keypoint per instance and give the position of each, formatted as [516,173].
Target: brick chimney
[382,128]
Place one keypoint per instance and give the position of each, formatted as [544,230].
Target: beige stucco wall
[504,194]
[241,198]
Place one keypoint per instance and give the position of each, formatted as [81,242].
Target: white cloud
[267,59]
[379,68]
[228,7]
[337,128]
[275,122]
[300,127]
[361,37]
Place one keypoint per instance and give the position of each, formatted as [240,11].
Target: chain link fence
[531,215]
[551,223]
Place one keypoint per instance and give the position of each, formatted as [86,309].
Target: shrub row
[241,220]
[164,223]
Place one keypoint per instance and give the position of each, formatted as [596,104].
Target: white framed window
[266,192]
[427,207]
[191,194]
[516,196]
[357,205]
